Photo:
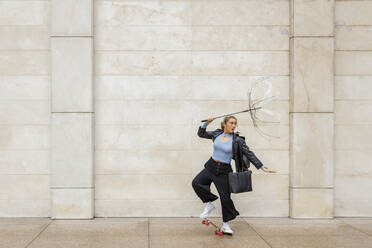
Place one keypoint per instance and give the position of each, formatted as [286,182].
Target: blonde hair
[226,119]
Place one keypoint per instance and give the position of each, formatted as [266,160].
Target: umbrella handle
[247,110]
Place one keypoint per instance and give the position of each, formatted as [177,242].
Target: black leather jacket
[241,153]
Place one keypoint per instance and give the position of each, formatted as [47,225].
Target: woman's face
[230,125]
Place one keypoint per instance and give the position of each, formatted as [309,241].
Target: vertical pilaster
[72,109]
[311,108]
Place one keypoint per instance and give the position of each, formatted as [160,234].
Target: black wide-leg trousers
[216,172]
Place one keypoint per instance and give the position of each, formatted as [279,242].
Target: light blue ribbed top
[222,151]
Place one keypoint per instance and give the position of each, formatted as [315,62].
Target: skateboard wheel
[220,234]
[207,223]
[203,221]
[215,232]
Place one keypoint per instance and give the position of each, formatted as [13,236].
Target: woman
[217,168]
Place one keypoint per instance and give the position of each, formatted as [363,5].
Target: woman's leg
[229,211]
[201,184]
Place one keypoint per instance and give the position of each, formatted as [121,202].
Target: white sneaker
[226,228]
[209,207]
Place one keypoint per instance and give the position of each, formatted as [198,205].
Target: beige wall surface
[161,66]
[24,108]
[353,108]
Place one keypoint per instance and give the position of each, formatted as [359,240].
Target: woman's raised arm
[202,131]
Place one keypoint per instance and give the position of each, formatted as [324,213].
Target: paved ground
[184,232]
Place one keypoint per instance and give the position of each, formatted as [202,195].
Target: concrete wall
[72,109]
[311,109]
[24,108]
[100,102]
[161,67]
[353,108]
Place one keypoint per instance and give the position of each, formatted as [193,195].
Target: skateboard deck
[218,230]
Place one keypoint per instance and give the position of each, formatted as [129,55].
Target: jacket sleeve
[203,133]
[251,156]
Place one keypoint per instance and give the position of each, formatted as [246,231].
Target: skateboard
[218,231]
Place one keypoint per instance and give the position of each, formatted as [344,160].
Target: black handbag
[240,181]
